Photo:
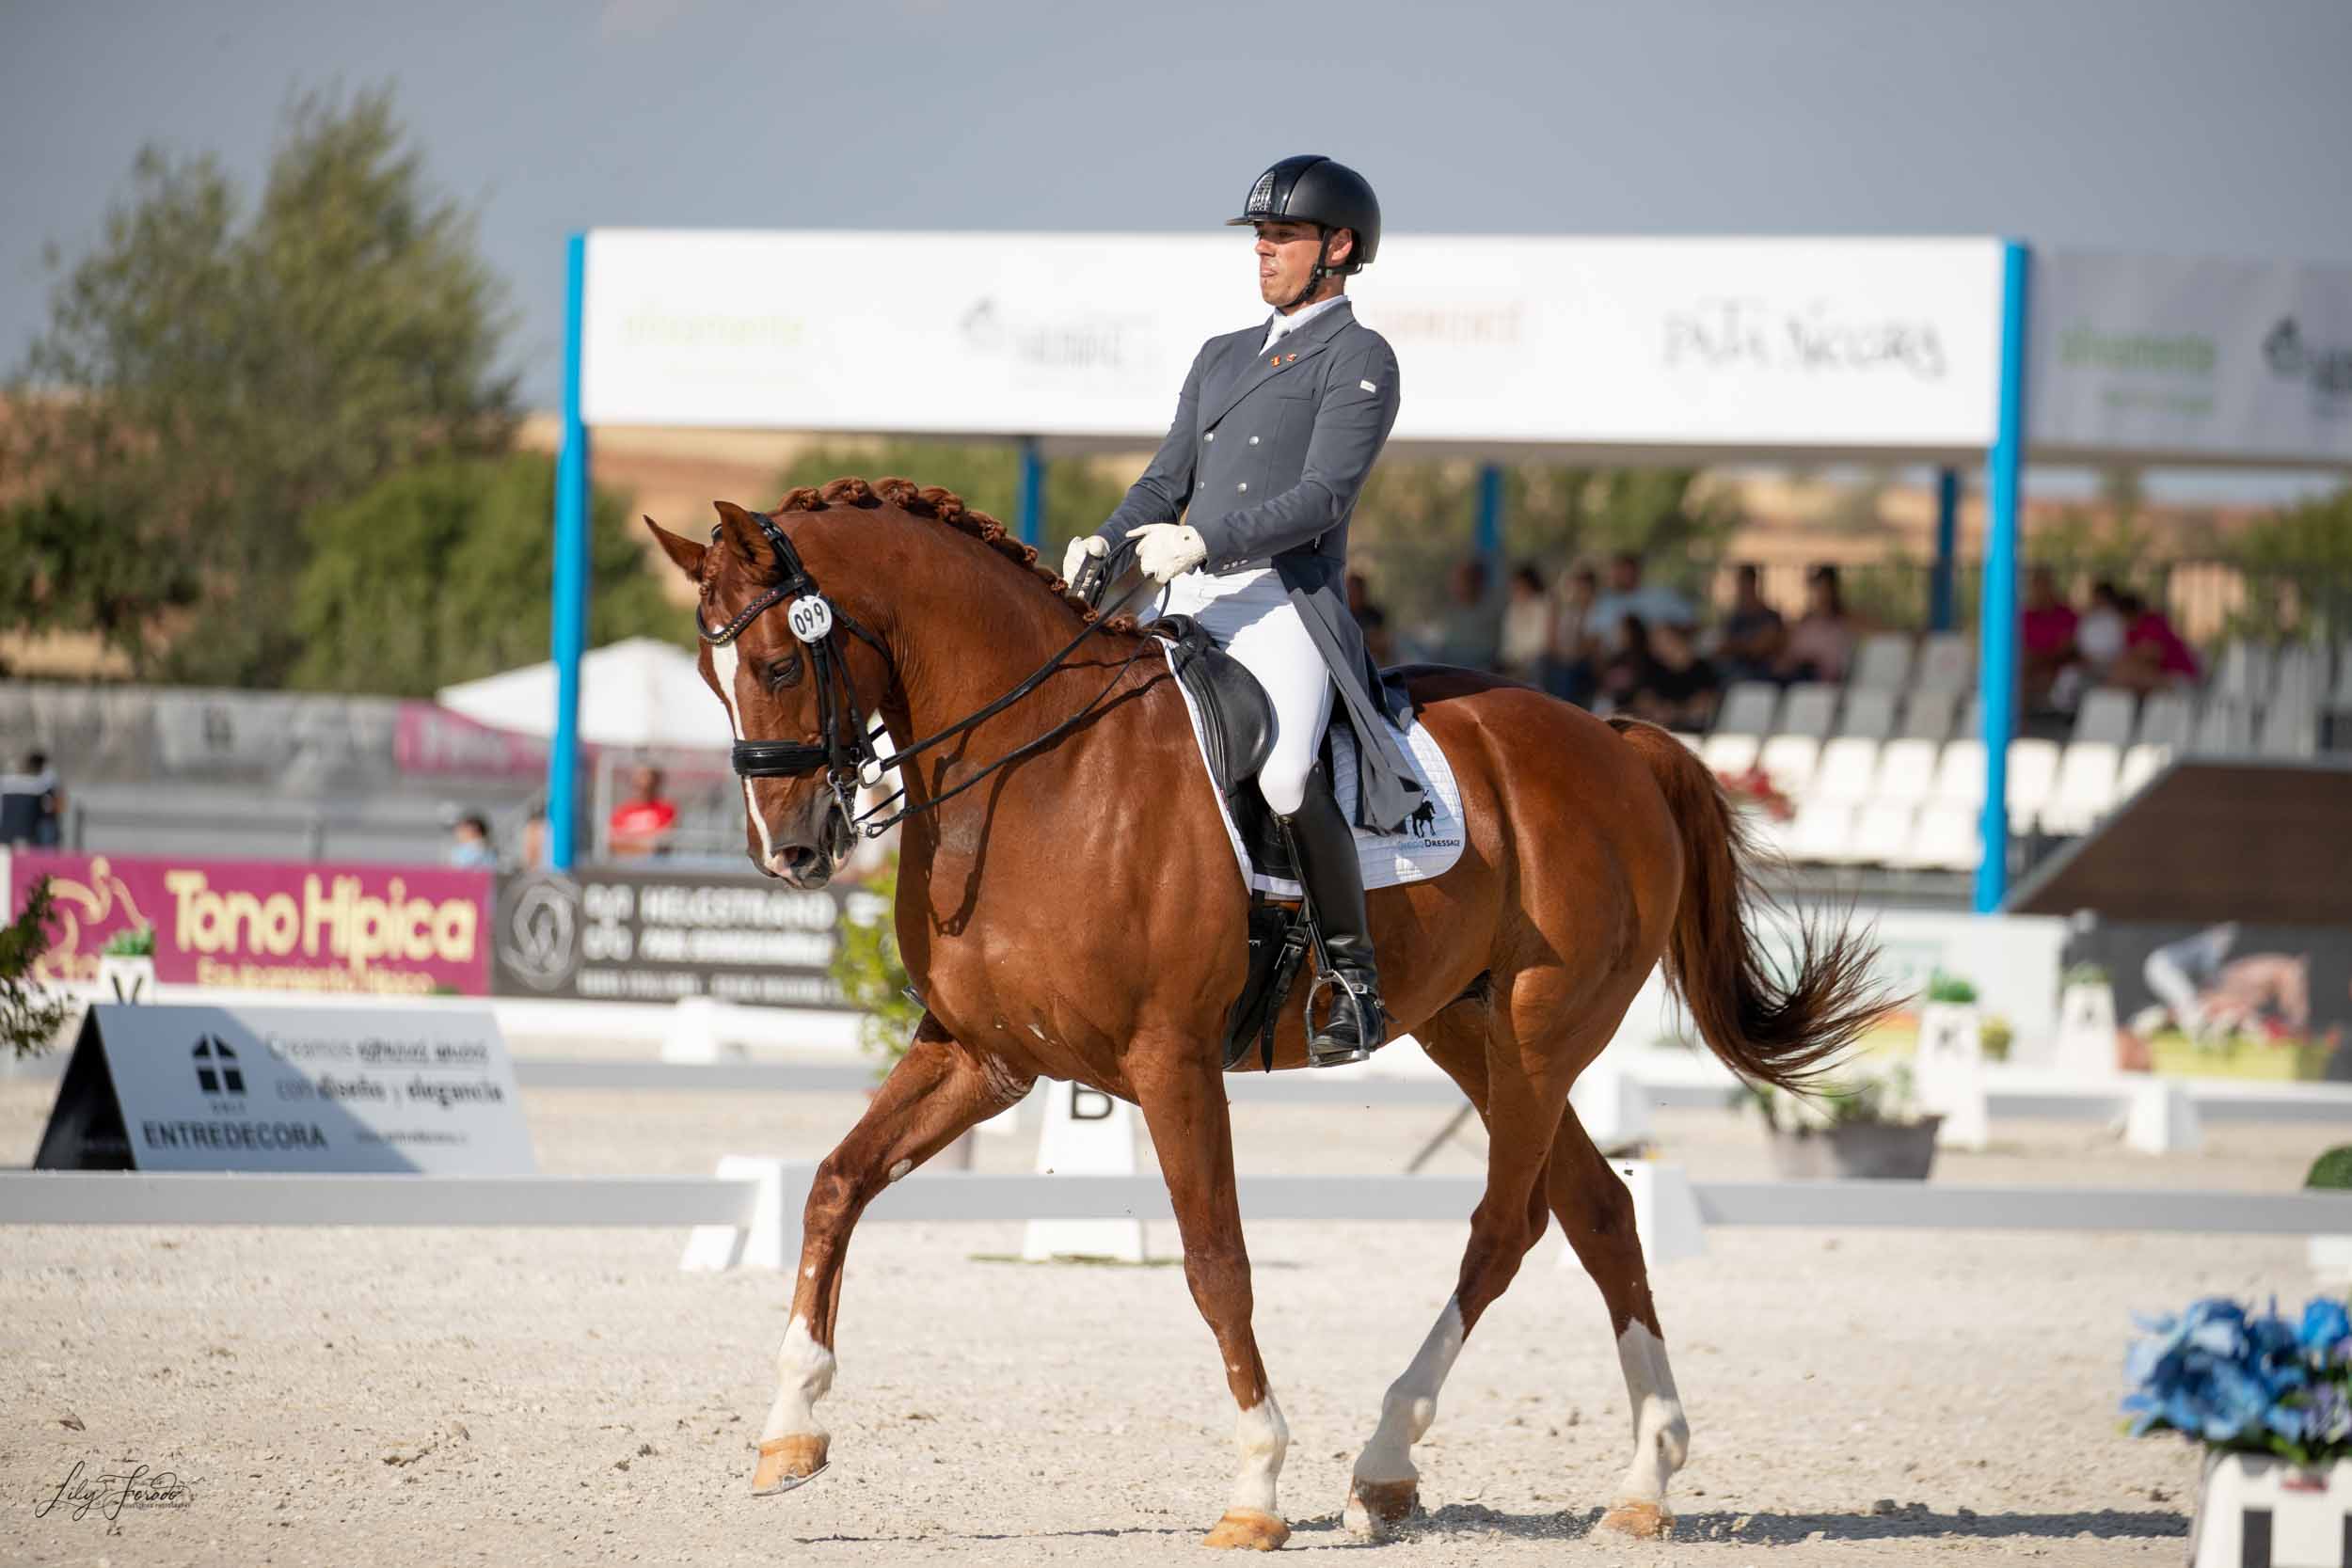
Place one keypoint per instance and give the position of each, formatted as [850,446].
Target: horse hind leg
[1483,1058]
[1597,1212]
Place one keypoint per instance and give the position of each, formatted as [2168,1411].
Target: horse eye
[784,671]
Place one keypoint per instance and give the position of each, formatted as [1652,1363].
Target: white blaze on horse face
[1263,1437]
[803,1376]
[1661,1439]
[1411,1403]
[725,660]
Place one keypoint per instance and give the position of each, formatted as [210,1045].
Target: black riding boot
[1324,851]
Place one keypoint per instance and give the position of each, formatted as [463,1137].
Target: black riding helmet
[1310,188]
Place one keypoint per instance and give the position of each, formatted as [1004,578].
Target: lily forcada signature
[82,1494]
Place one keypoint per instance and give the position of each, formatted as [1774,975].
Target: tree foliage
[212,372]
[441,574]
[29,1015]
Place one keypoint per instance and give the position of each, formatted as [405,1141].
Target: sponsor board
[2228,1000]
[288,1089]
[614,935]
[1839,344]
[268,925]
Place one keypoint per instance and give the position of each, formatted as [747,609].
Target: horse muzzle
[806,865]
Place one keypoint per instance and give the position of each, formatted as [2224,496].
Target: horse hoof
[786,1463]
[1375,1507]
[1246,1529]
[1644,1521]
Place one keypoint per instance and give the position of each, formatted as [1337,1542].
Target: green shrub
[1996,1035]
[1950,989]
[29,1015]
[873,979]
[137,943]
[2332,1169]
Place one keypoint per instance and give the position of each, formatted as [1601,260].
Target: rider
[1244,514]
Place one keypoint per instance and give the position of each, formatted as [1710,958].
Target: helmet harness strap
[1322,270]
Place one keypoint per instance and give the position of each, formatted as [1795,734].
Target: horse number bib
[810,617]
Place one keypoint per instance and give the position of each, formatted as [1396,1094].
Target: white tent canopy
[638,691]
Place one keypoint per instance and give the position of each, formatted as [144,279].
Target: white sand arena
[514,1397]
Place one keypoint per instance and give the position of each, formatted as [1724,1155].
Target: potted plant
[2330,1257]
[1869,1127]
[29,1015]
[1949,1024]
[873,980]
[1754,790]
[2270,1399]
[126,966]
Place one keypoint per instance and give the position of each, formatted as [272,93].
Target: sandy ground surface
[529,1397]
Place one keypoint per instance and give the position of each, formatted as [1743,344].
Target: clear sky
[2175,126]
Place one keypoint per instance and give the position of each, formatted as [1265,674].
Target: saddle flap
[1239,728]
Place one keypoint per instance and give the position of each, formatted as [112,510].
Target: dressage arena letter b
[1090,1105]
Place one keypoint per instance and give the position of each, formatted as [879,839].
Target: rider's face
[1286,258]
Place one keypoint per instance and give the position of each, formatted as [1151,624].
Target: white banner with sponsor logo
[2246,361]
[1764,343]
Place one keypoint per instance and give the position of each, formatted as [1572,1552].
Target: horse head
[797,822]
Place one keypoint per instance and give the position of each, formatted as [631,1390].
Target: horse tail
[1775,1031]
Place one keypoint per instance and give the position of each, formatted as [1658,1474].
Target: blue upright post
[1490,518]
[1032,492]
[1947,543]
[570,617]
[1996,632]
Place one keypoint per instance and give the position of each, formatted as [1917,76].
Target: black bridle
[845,750]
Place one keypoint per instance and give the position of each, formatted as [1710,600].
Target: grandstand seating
[1888,770]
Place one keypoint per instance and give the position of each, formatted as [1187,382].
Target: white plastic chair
[1822,833]
[1811,707]
[1883,662]
[2244,672]
[1847,770]
[1869,713]
[2140,763]
[2033,767]
[2166,719]
[1960,775]
[1727,754]
[2086,788]
[2225,728]
[1882,833]
[1948,662]
[1945,837]
[1906,771]
[2290,729]
[1789,761]
[1749,707]
[2106,715]
[1927,715]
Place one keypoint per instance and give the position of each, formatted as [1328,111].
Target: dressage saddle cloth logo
[1432,839]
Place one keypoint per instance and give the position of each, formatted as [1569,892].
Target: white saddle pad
[1388,859]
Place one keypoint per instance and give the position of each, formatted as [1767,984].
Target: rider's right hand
[1085,545]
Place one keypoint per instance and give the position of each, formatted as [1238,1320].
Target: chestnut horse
[1080,917]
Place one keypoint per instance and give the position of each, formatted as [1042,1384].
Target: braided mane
[936,505]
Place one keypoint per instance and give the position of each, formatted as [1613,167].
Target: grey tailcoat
[1266,455]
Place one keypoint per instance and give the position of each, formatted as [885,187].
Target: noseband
[844,752]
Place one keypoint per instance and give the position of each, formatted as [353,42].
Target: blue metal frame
[570,614]
[1032,492]
[1997,633]
[1490,546]
[1940,582]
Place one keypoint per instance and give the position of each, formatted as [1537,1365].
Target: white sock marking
[723,662]
[803,1376]
[1263,1437]
[1661,1439]
[1411,1403]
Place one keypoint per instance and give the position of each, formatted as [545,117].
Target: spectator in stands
[1371,619]
[1628,670]
[1466,631]
[643,824]
[2099,631]
[2049,626]
[1753,634]
[535,853]
[1678,687]
[2154,656]
[1821,644]
[1526,626]
[1570,668]
[1626,597]
[32,804]
[469,843]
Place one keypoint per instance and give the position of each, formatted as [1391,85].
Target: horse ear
[684,554]
[736,524]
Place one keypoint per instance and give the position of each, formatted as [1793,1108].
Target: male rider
[1244,515]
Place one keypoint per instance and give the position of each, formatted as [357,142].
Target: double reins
[844,752]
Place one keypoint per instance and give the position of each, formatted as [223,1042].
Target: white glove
[1167,550]
[1085,545]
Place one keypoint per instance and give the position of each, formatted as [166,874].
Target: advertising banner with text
[1729,343]
[2239,360]
[266,925]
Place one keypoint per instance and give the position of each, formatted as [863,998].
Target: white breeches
[1252,618]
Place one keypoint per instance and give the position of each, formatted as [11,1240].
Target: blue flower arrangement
[2242,1383]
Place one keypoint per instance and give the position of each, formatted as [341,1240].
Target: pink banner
[429,738]
[268,925]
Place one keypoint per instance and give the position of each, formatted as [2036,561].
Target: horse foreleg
[939,1089]
[1597,1212]
[1194,1138]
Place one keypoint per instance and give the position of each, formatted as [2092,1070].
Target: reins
[846,751]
